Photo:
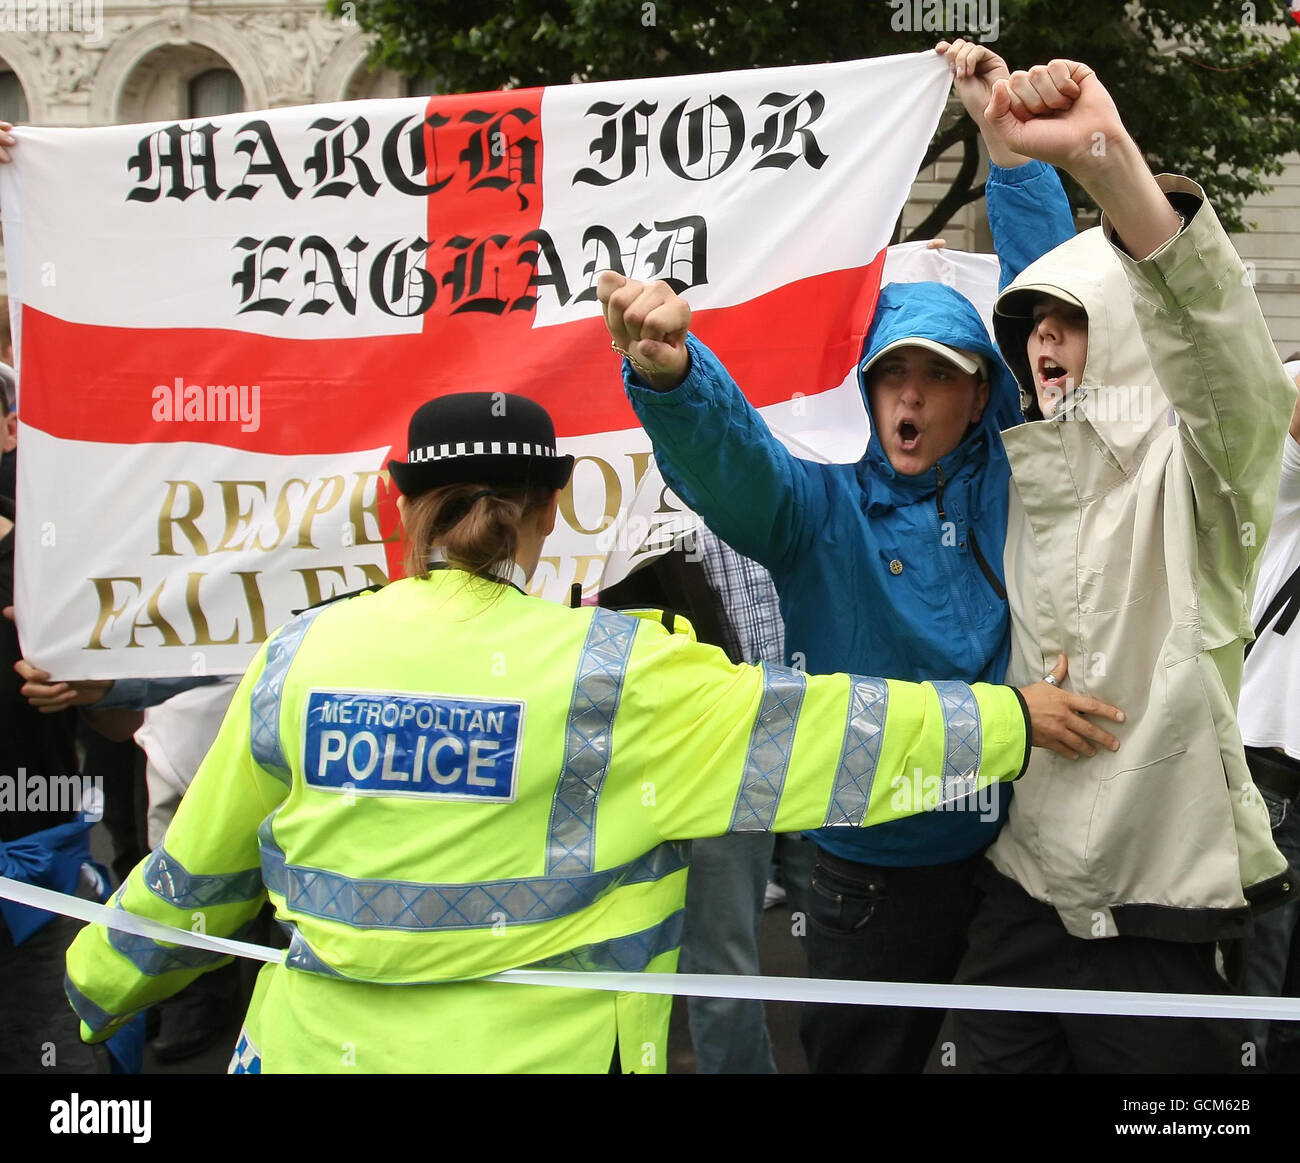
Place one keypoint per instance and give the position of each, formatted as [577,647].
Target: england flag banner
[223,325]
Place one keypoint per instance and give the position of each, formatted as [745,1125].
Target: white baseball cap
[970,362]
[1018,301]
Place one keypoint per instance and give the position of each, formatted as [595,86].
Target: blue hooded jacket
[877,573]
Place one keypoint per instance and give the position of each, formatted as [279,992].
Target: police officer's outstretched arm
[712,446]
[744,748]
[205,876]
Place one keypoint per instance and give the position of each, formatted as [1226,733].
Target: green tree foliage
[1210,88]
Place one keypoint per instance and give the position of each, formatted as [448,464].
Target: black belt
[1274,770]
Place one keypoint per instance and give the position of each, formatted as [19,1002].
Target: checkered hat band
[433,452]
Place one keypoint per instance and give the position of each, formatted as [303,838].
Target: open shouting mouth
[909,435]
[1052,375]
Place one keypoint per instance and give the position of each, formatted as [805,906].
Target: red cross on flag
[224,325]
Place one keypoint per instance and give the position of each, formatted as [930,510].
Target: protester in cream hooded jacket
[1137,515]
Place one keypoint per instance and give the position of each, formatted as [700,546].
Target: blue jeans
[724,910]
[1272,953]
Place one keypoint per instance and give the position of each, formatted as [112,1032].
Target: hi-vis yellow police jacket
[446,779]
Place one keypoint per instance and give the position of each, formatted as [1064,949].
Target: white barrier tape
[120,919]
[799,989]
[922,996]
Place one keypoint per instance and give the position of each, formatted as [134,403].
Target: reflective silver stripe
[571,840]
[264,701]
[96,1018]
[399,904]
[153,958]
[630,954]
[770,744]
[962,742]
[167,878]
[860,751]
[303,957]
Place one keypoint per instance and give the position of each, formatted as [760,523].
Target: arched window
[214,92]
[13,101]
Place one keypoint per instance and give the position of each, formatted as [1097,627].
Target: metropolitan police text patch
[374,743]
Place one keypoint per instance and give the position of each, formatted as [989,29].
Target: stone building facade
[1271,251]
[103,62]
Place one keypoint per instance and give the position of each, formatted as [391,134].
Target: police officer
[448,778]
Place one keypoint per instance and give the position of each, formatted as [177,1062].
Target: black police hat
[492,438]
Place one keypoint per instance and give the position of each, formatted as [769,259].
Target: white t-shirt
[177,734]
[1269,709]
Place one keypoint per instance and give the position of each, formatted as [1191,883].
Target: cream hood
[1118,393]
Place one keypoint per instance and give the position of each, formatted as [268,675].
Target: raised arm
[710,443]
[1197,312]
[1028,211]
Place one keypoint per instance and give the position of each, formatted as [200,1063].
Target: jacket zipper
[998,587]
[989,575]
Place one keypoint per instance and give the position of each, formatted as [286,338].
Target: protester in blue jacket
[892,565]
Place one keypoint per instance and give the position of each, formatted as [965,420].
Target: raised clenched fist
[648,322]
[1059,113]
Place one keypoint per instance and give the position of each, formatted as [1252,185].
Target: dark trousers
[118,767]
[1271,956]
[1018,941]
[867,923]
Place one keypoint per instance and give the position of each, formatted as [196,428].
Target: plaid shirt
[748,608]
